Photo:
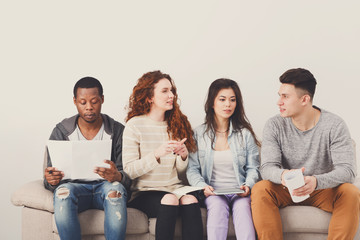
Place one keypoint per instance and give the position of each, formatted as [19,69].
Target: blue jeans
[73,198]
[218,210]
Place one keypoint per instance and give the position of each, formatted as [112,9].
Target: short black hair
[300,78]
[88,82]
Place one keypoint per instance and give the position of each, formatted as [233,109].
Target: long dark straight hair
[238,119]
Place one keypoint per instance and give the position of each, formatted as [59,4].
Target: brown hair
[300,78]
[238,119]
[178,126]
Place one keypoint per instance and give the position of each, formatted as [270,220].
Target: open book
[77,159]
[184,190]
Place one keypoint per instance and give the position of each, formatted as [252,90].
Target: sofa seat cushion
[304,219]
[92,222]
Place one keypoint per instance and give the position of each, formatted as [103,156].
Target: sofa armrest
[33,195]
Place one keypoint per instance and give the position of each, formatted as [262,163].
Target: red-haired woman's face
[163,99]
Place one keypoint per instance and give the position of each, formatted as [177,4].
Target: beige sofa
[38,219]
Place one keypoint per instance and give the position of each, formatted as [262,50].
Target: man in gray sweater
[318,142]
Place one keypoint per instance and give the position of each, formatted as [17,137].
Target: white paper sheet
[77,159]
[61,155]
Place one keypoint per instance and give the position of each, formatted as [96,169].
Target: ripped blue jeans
[73,198]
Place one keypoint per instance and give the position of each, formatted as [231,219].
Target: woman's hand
[246,189]
[181,149]
[172,146]
[165,149]
[209,191]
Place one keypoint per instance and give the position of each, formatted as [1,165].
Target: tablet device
[224,191]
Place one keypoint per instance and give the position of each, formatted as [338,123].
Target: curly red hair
[178,125]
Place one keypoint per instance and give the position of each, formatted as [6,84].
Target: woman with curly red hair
[156,142]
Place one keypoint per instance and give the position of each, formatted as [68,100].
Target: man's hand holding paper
[53,176]
[111,174]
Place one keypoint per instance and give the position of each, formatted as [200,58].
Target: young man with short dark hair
[72,196]
[316,141]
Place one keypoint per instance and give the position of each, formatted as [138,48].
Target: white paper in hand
[61,155]
[77,159]
[87,155]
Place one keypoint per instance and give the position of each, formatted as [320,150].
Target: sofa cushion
[138,222]
[304,219]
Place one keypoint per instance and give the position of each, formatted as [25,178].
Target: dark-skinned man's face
[88,103]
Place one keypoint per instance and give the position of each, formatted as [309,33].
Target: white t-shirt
[223,174]
[78,136]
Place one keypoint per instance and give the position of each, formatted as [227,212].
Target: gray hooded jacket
[115,129]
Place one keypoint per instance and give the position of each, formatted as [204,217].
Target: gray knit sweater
[326,151]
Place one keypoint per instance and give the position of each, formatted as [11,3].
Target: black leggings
[149,202]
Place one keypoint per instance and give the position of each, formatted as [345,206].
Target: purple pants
[218,209]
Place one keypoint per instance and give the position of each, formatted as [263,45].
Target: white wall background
[46,46]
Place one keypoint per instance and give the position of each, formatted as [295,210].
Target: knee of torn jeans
[114,194]
[62,193]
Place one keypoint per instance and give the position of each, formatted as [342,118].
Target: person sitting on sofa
[157,138]
[74,196]
[316,141]
[227,157]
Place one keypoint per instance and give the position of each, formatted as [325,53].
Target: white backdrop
[46,46]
